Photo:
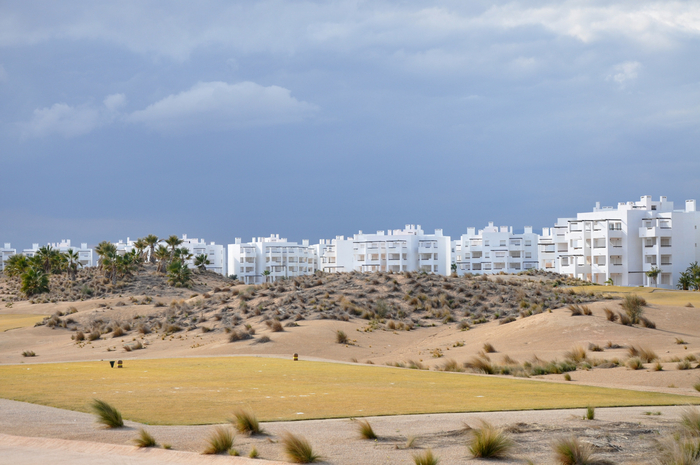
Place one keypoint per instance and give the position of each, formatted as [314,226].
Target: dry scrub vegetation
[396,302]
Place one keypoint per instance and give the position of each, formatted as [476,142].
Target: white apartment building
[621,244]
[252,261]
[86,255]
[5,253]
[214,252]
[494,250]
[408,249]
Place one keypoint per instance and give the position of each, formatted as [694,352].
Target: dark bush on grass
[298,449]
[365,430]
[220,440]
[144,439]
[106,414]
[246,422]
[489,442]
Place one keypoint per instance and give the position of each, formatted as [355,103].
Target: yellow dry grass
[208,390]
[652,295]
[15,321]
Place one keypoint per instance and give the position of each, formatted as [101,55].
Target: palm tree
[151,242]
[34,281]
[266,273]
[16,265]
[105,249]
[183,253]
[201,262]
[140,245]
[162,254]
[173,242]
[179,274]
[48,258]
[72,262]
[653,273]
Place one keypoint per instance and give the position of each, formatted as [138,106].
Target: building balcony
[654,231]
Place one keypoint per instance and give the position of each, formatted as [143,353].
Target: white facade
[408,249]
[282,259]
[5,253]
[214,252]
[85,254]
[622,244]
[495,250]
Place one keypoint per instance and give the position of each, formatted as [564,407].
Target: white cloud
[62,119]
[219,105]
[625,72]
[114,102]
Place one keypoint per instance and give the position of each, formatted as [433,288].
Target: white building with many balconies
[620,245]
[270,259]
[86,255]
[495,250]
[5,253]
[408,249]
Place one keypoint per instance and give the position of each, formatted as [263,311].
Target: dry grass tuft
[646,355]
[426,458]
[144,439]
[570,451]
[365,430]
[341,337]
[489,441]
[246,422]
[610,315]
[633,305]
[576,355]
[488,348]
[298,449]
[220,440]
[106,414]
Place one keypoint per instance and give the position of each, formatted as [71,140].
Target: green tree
[72,259]
[653,274]
[16,265]
[162,255]
[151,242]
[140,246]
[173,242]
[34,281]
[105,249]
[179,275]
[266,273]
[690,278]
[49,259]
[201,261]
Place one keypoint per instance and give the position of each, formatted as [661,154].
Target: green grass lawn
[206,390]
[14,321]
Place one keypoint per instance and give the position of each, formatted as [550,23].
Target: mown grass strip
[208,390]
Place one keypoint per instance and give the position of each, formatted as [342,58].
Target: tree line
[165,254]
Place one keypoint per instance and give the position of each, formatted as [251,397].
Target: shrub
[590,413]
[575,310]
[451,365]
[246,422]
[238,336]
[610,315]
[253,453]
[488,348]
[690,421]
[79,336]
[684,365]
[365,430]
[106,414]
[633,306]
[567,377]
[28,353]
[679,450]
[635,363]
[625,320]
[298,449]
[489,442]
[646,355]
[94,335]
[220,440]
[426,458]
[570,451]
[341,337]
[118,332]
[480,365]
[594,347]
[276,326]
[144,439]
[647,323]
[576,355]
[263,340]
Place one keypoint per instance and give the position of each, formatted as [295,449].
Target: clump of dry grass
[28,353]
[246,422]
[144,439]
[610,315]
[489,441]
[633,305]
[571,451]
[488,348]
[106,414]
[341,337]
[480,364]
[645,354]
[298,449]
[647,323]
[365,430]
[635,363]
[576,354]
[451,365]
[426,458]
[220,440]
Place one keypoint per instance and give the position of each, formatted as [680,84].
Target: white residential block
[408,249]
[252,261]
[86,255]
[5,253]
[620,245]
[495,250]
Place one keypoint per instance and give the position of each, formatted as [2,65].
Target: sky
[311,119]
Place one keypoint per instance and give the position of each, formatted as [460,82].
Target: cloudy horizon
[311,120]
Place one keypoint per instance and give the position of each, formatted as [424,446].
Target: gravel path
[32,434]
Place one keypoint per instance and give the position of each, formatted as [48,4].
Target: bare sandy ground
[36,434]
